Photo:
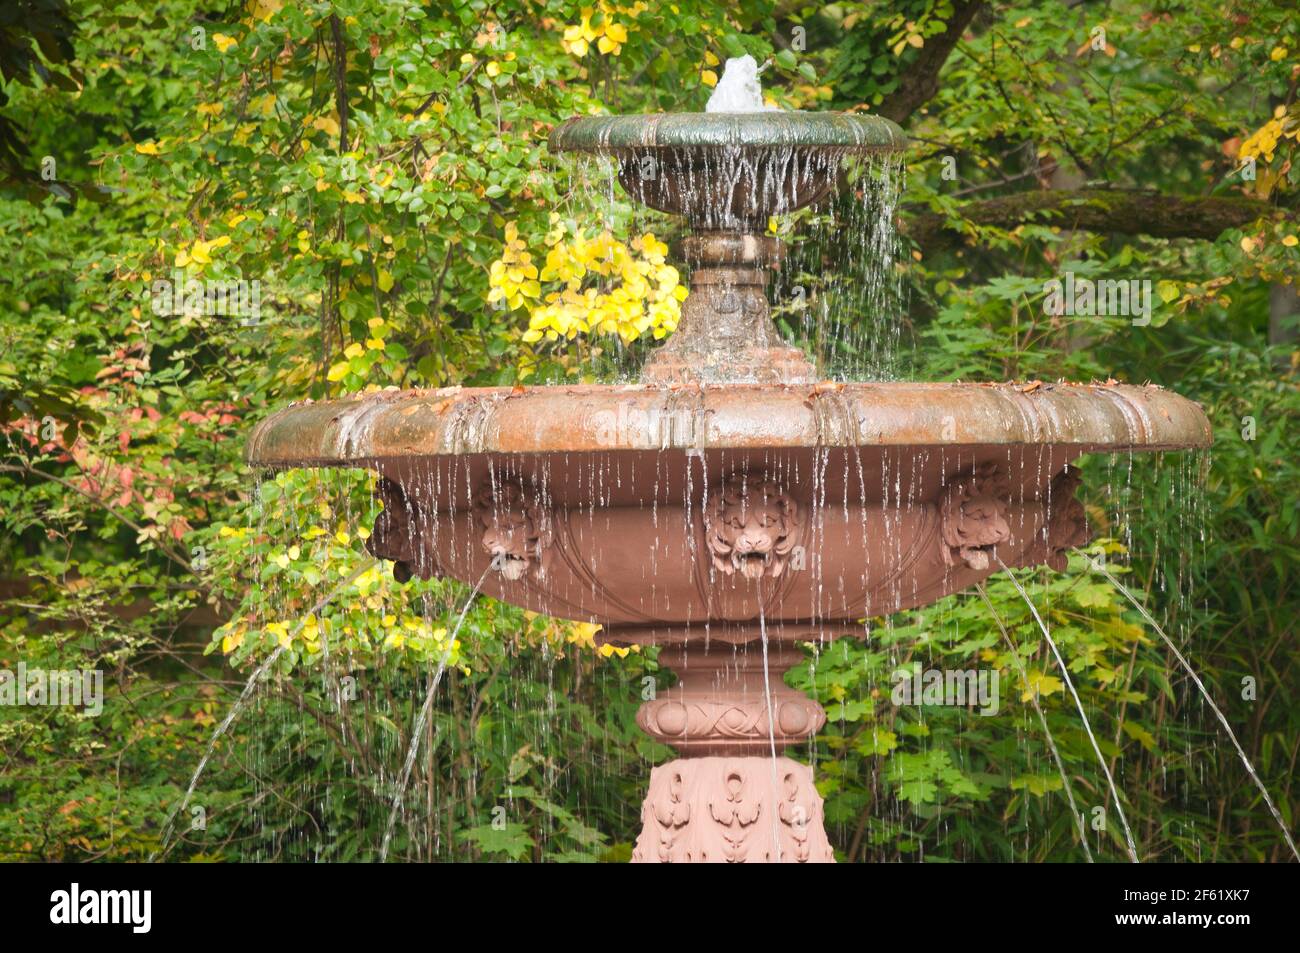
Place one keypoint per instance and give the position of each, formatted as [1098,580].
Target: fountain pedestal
[732,810]
[728,799]
[726,334]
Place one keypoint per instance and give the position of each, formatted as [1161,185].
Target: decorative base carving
[732,810]
[729,800]
[719,704]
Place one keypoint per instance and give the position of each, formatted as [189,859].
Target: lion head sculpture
[1066,525]
[974,514]
[753,527]
[516,526]
[396,530]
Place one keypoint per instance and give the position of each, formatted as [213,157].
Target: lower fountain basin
[664,513]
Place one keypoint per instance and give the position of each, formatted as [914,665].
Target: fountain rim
[848,133]
[593,419]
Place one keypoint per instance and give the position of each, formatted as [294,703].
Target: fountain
[730,505]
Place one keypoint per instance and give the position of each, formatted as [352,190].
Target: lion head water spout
[788,510]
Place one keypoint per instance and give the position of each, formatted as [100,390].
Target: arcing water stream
[1069,683]
[1042,720]
[417,729]
[771,726]
[242,701]
[1232,736]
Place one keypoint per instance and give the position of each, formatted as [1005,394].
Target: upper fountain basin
[728,171]
[845,133]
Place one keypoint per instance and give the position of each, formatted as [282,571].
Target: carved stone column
[727,800]
[726,332]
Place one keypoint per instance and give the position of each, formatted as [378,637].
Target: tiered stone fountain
[730,505]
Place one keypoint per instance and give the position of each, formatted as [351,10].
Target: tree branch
[1097,210]
[920,83]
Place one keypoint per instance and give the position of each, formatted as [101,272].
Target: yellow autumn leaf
[385,282]
[326,124]
[148,148]
[265,9]
[223,42]
[338,371]
[1041,684]
[709,78]
[280,631]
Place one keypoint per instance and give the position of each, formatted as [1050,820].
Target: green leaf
[513,840]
